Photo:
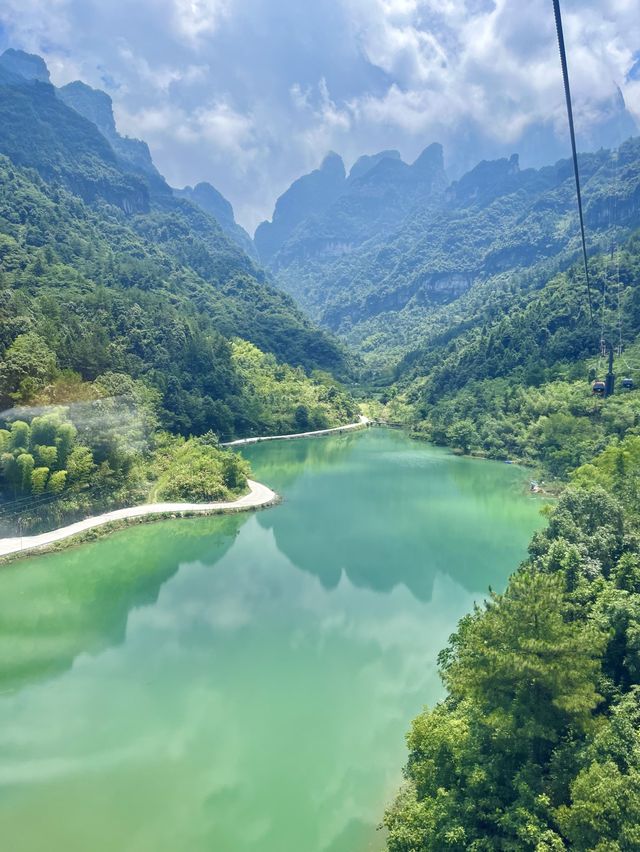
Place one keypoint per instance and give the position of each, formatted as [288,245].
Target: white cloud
[160,77]
[195,19]
[249,94]
[32,20]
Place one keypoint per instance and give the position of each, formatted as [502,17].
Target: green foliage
[281,399]
[57,482]
[404,270]
[85,291]
[121,305]
[198,470]
[111,455]
[536,745]
[28,364]
[30,467]
[39,479]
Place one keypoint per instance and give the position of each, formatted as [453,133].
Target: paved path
[350,427]
[259,496]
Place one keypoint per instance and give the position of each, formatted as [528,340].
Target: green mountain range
[401,241]
[129,317]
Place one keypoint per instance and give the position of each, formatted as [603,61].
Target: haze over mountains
[104,269]
[370,254]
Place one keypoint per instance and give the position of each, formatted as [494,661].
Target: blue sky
[248,94]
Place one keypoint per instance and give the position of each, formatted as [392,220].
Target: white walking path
[259,496]
[350,427]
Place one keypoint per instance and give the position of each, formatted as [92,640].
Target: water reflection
[244,683]
[57,606]
[386,510]
[250,708]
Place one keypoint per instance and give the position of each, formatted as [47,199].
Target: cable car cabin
[598,388]
[627,384]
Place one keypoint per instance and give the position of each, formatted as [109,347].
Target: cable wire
[572,132]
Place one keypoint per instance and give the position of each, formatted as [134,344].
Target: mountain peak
[333,165]
[93,104]
[431,158]
[27,65]
[210,200]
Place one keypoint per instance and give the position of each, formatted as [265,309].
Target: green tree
[524,665]
[57,482]
[39,477]
[80,465]
[46,456]
[27,366]
[24,464]
[20,435]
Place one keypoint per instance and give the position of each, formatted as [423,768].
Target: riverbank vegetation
[73,461]
[536,744]
[511,380]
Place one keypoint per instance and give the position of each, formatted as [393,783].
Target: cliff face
[97,107]
[400,240]
[207,198]
[38,130]
[308,196]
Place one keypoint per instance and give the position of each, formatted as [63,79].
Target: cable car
[627,384]
[599,388]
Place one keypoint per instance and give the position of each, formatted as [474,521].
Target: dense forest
[390,260]
[536,744]
[118,296]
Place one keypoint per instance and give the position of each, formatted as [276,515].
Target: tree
[462,435]
[25,464]
[20,435]
[27,366]
[604,813]
[46,456]
[80,465]
[57,482]
[524,665]
[39,478]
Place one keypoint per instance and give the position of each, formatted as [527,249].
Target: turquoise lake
[244,683]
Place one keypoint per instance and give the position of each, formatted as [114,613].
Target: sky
[249,94]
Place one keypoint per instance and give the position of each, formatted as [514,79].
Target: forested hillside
[378,271]
[535,745]
[113,287]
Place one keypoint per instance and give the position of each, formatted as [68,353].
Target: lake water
[244,683]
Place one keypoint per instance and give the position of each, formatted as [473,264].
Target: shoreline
[259,497]
[363,423]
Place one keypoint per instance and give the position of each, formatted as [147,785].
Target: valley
[244,682]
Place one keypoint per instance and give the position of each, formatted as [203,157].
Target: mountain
[215,204]
[134,155]
[377,195]
[104,270]
[368,161]
[97,107]
[400,241]
[39,131]
[325,214]
[308,196]
[26,65]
